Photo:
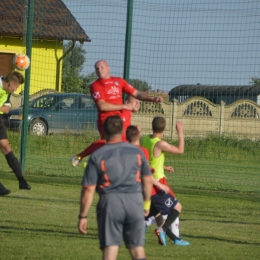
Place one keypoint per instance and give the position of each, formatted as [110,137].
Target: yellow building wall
[45,55]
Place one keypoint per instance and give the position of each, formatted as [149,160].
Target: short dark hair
[113,125]
[158,124]
[14,76]
[132,133]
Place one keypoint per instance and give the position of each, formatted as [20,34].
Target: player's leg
[110,252]
[165,204]
[3,190]
[88,151]
[11,159]
[169,222]
[133,225]
[137,253]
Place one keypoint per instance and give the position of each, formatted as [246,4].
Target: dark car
[56,113]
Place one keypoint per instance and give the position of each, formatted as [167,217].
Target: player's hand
[146,212]
[82,225]
[129,106]
[158,99]
[165,188]
[179,127]
[169,168]
[74,161]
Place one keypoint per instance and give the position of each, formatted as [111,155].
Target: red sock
[92,148]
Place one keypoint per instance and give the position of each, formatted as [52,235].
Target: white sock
[150,221]
[174,226]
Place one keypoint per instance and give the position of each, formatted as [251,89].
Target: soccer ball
[21,61]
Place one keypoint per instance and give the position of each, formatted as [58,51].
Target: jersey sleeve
[90,177]
[127,88]
[97,91]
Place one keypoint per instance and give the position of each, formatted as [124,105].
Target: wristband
[80,217]
[147,205]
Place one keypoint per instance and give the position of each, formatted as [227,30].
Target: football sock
[92,148]
[170,219]
[159,220]
[171,235]
[175,227]
[15,166]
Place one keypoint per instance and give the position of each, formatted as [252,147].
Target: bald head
[102,69]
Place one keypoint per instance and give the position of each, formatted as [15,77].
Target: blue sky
[175,42]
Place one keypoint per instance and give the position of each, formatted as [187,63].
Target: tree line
[74,81]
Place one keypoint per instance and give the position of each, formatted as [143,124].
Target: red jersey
[110,90]
[146,153]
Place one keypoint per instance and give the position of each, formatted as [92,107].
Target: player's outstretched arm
[104,106]
[87,194]
[166,147]
[144,97]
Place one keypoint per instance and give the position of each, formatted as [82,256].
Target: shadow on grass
[41,231]
[219,239]
[220,221]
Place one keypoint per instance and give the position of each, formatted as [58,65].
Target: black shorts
[3,134]
[162,203]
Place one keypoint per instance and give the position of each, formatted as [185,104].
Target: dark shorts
[162,203]
[120,216]
[3,134]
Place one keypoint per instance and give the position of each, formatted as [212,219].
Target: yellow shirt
[155,162]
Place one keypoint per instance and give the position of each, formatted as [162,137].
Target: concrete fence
[202,117]
[199,116]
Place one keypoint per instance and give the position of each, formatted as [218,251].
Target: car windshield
[62,102]
[42,102]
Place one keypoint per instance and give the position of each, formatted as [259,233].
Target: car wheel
[38,127]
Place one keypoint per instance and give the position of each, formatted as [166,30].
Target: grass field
[216,180]
[42,224]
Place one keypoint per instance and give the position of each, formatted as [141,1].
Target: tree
[72,65]
[255,81]
[87,80]
[140,85]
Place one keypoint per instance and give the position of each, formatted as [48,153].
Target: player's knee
[178,207]
[5,146]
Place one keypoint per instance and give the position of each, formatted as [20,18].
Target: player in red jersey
[125,116]
[107,93]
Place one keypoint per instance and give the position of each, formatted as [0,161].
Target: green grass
[216,180]
[42,224]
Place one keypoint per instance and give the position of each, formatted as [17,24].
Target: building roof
[209,90]
[52,20]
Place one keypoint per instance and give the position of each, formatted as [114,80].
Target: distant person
[8,85]
[164,203]
[119,172]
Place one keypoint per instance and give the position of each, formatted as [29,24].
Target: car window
[43,102]
[87,102]
[64,103]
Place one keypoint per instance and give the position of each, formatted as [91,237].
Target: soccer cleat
[181,242]
[3,190]
[75,160]
[161,235]
[23,185]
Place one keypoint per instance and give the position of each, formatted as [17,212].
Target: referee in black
[8,85]
[120,174]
